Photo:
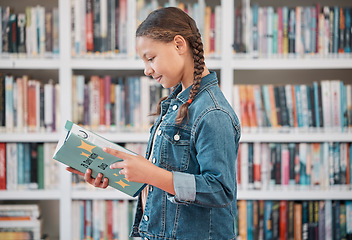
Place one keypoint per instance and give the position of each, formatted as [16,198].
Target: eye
[151,59]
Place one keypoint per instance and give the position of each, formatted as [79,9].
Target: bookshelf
[232,69]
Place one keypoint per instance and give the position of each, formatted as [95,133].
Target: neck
[186,84]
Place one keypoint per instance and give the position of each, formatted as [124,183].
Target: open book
[82,150]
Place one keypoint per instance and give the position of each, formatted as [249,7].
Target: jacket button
[174,107]
[177,137]
[150,188]
[145,238]
[146,218]
[154,160]
[159,132]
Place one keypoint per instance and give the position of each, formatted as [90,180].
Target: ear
[180,44]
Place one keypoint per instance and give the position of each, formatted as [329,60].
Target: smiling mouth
[158,79]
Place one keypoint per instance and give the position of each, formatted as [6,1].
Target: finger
[105,183]
[87,176]
[123,172]
[72,170]
[120,164]
[97,181]
[117,153]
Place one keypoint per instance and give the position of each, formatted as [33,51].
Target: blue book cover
[313,29]
[82,149]
[303,164]
[27,164]
[255,9]
[337,164]
[316,103]
[344,119]
[250,220]
[267,108]
[268,223]
[270,15]
[336,29]
[349,219]
[275,32]
[299,110]
[20,164]
[336,228]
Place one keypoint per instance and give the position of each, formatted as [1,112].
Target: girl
[193,146]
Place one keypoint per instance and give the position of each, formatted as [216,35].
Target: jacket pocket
[175,148]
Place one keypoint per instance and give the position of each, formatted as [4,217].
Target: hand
[96,182]
[135,168]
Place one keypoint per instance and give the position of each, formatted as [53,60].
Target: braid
[198,58]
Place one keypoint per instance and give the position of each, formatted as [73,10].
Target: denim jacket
[202,156]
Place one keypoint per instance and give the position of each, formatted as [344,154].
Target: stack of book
[28,166]
[294,166]
[20,222]
[28,105]
[34,33]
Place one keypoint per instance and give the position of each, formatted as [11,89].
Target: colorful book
[87,149]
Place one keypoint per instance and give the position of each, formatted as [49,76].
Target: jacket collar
[206,81]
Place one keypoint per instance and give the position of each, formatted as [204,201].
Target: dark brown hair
[163,25]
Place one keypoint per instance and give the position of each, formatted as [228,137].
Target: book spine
[347,45]
[2,166]
[283,219]
[9,105]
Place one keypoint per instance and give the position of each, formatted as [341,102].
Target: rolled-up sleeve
[185,188]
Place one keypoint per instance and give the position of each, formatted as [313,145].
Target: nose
[148,71]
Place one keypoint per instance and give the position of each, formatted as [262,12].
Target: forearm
[162,179]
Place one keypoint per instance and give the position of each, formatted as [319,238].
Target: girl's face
[168,63]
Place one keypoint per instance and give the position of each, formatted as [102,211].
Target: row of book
[286,220]
[102,219]
[323,105]
[28,166]
[99,26]
[294,166]
[20,221]
[28,105]
[295,31]
[208,19]
[112,103]
[34,33]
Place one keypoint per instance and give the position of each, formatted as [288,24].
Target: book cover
[87,147]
